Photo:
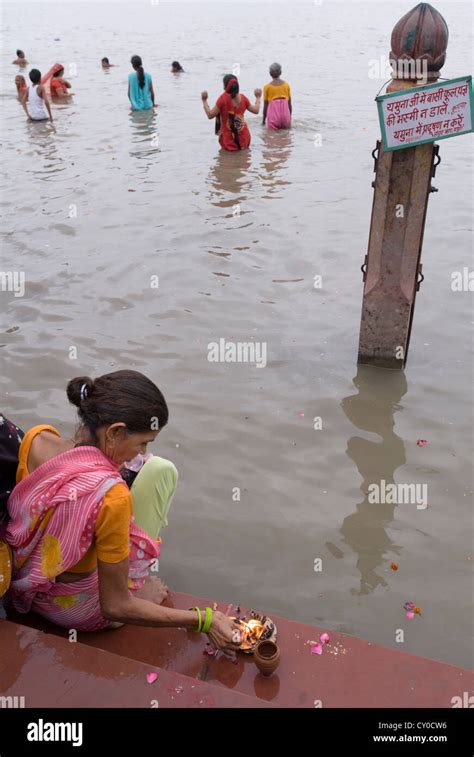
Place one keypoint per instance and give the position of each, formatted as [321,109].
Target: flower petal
[422,442]
[410,614]
[324,638]
[151,677]
[316,649]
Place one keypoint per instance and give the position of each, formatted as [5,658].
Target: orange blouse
[112,527]
[57,88]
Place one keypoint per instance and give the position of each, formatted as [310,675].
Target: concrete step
[39,669]
[350,672]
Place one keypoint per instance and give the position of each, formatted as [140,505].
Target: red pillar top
[421,34]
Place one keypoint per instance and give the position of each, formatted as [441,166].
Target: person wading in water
[234,133]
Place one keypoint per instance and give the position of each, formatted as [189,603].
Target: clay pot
[266,657]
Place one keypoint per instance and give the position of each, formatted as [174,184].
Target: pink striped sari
[53,513]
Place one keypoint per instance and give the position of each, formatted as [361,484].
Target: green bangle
[196,609]
[208,621]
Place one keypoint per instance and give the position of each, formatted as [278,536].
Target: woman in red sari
[230,107]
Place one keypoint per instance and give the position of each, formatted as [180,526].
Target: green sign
[436,111]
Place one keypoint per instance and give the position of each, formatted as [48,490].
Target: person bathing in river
[277,108]
[140,86]
[21,85]
[20,58]
[230,107]
[58,86]
[82,542]
[106,64]
[225,79]
[35,100]
[176,67]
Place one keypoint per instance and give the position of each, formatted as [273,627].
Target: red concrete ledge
[349,673]
[38,669]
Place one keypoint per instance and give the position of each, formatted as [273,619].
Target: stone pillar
[392,268]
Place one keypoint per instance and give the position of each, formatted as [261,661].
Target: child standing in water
[38,103]
[277,107]
[230,107]
[140,86]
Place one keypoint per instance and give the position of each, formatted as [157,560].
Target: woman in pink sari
[277,107]
[82,543]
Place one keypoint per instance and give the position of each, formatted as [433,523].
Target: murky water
[236,241]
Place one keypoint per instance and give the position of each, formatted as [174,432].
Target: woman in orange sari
[58,87]
[82,544]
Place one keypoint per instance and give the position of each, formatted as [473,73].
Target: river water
[270,511]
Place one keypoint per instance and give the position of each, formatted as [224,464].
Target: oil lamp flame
[252,630]
[255,629]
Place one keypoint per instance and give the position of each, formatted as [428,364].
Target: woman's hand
[204,96]
[257,93]
[224,633]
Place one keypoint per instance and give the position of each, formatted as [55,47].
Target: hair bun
[79,389]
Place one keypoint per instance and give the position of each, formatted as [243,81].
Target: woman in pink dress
[277,108]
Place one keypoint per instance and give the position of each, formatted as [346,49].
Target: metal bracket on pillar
[436,162]
[437,158]
[363,268]
[420,280]
[375,155]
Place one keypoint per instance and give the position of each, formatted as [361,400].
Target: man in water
[20,58]
[37,99]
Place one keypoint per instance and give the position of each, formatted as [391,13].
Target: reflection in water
[266,688]
[39,129]
[276,151]
[43,137]
[144,133]
[230,174]
[372,409]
